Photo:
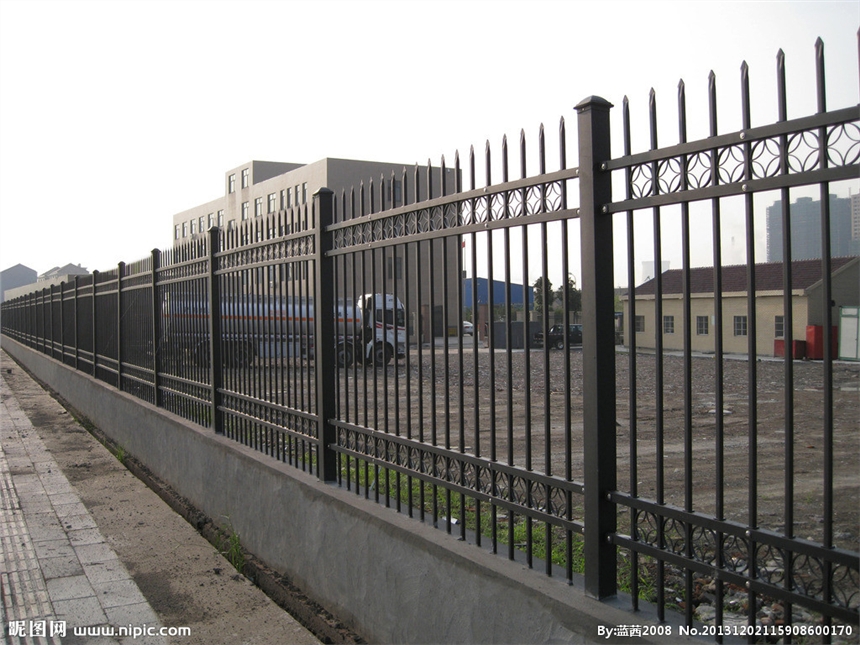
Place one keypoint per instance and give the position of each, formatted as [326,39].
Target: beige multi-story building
[259,189]
[806,299]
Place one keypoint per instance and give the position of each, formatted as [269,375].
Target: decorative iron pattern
[266,253]
[543,498]
[455,214]
[263,413]
[183,271]
[787,149]
[757,556]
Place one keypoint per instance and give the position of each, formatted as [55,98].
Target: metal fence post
[63,322]
[120,269]
[215,362]
[75,320]
[51,319]
[95,322]
[156,328]
[325,335]
[598,346]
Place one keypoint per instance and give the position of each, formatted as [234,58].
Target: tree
[541,290]
[574,295]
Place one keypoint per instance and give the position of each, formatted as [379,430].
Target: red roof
[768,277]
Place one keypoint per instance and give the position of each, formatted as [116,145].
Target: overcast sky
[114,115]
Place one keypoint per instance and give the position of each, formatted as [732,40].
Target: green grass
[231,546]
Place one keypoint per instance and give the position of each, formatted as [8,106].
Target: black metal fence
[630,468]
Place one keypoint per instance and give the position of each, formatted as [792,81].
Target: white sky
[114,115]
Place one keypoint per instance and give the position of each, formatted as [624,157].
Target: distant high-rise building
[855,218]
[805,217]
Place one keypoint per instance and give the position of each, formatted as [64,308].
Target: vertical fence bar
[719,439]
[787,324]
[215,360]
[324,350]
[120,270]
[752,334]
[598,346]
[155,311]
[631,358]
[51,319]
[62,287]
[827,337]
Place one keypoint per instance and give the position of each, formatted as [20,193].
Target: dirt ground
[530,416]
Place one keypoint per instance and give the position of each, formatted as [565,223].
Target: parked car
[555,338]
[468,328]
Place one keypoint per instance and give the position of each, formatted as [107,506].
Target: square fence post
[95,326]
[215,363]
[75,321]
[155,312]
[62,288]
[325,334]
[120,270]
[598,347]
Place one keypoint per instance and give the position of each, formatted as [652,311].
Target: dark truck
[555,337]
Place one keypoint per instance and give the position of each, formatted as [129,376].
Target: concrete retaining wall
[390,578]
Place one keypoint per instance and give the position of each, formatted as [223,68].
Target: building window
[668,324]
[273,202]
[305,193]
[184,229]
[289,197]
[176,232]
[779,327]
[202,224]
[639,323]
[231,185]
[245,207]
[246,177]
[283,199]
[258,207]
[193,228]
[395,269]
[740,326]
[396,193]
[701,325]
[211,220]
[221,219]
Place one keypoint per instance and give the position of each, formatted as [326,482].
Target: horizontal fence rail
[333,337]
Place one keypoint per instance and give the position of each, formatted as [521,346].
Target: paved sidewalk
[89,548]
[59,576]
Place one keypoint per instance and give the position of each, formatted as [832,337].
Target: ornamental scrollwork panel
[846,587]
[843,144]
[744,161]
[803,152]
[765,158]
[807,576]
[699,170]
[705,545]
[770,564]
[517,489]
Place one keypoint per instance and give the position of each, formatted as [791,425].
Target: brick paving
[58,575]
